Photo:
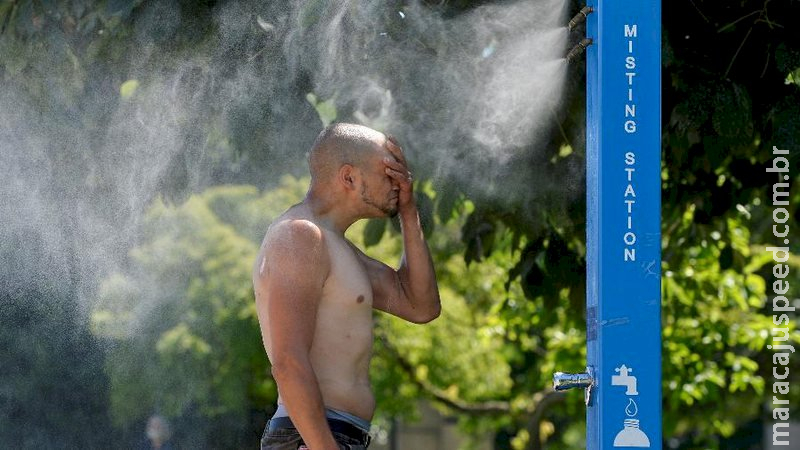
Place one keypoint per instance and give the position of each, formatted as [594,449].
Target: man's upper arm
[388,294]
[296,267]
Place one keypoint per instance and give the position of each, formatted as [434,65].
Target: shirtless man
[315,291]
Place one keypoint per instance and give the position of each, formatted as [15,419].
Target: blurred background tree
[159,132]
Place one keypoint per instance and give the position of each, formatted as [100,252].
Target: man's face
[379,191]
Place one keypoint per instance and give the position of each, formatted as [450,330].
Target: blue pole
[623,152]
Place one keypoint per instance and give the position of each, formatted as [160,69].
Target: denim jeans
[289,439]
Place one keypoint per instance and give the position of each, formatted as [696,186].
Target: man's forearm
[301,395]
[416,268]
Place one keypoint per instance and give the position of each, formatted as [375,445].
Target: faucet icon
[623,379]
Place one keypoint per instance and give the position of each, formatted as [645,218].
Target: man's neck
[324,209]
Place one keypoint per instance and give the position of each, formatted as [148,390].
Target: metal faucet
[623,379]
[563,381]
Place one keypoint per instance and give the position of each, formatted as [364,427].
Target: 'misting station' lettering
[629,237]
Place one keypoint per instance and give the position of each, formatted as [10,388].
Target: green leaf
[374,231]
[128,88]
[425,208]
[732,115]
[446,200]
[326,110]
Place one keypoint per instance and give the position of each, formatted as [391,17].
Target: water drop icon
[631,409]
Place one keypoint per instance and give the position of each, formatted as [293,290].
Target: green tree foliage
[78,75]
[183,319]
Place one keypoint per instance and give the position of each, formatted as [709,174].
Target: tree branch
[737,52]
[534,412]
[545,399]
[488,407]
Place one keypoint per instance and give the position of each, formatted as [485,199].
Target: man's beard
[387,209]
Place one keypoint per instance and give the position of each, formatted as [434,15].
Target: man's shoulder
[293,249]
[293,238]
[300,227]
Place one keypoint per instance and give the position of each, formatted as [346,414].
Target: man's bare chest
[348,284]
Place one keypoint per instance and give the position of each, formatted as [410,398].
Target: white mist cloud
[459,92]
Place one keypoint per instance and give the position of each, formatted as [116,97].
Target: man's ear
[348,176]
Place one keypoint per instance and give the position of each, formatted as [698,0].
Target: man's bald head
[339,144]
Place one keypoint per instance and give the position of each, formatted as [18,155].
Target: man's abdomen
[357,399]
[340,355]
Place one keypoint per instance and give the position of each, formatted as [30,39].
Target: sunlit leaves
[128,88]
[715,330]
[325,109]
[199,327]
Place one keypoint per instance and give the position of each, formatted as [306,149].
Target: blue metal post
[623,151]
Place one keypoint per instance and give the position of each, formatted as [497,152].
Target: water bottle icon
[631,435]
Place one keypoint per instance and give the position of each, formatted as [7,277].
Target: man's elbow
[278,369]
[286,367]
[431,313]
[437,311]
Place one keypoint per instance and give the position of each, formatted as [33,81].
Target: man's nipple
[360,299]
